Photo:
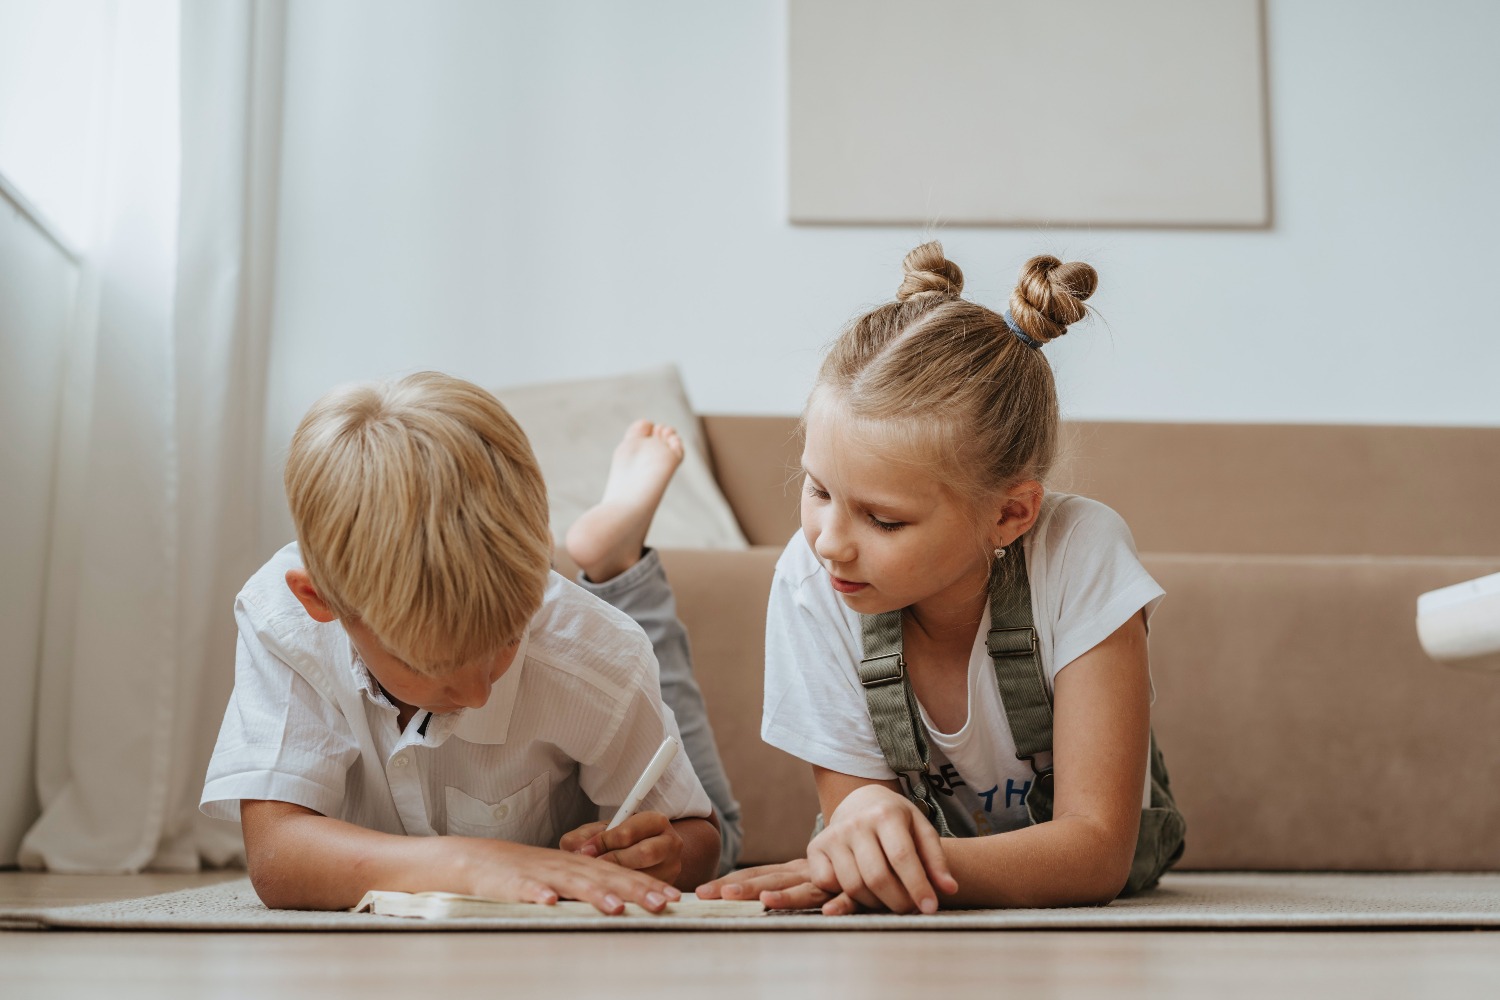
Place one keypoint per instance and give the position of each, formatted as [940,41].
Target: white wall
[517,191]
[53,61]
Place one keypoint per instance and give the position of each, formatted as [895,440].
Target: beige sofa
[1302,724]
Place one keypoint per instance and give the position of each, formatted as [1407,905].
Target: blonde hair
[946,379]
[421,512]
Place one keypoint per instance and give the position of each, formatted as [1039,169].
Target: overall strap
[894,713]
[1013,649]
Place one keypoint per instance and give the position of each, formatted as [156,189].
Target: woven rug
[1187,900]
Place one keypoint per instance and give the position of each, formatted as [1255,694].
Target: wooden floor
[60,965]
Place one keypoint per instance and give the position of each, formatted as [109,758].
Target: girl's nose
[834,543]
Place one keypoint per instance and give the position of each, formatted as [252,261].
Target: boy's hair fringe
[421,512]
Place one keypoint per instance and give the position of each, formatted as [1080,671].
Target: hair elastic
[1010,321]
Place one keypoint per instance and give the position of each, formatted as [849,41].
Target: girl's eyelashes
[820,494]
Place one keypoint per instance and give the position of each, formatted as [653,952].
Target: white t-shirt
[1086,581]
[567,730]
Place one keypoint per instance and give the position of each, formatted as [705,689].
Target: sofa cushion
[1302,725]
[721,598]
[574,427]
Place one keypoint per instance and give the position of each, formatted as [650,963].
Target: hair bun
[1049,296]
[926,272]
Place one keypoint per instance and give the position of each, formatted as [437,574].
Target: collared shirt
[565,733]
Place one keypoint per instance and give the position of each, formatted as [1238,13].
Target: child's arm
[300,859]
[1101,736]
[1100,741]
[700,850]
[899,883]
[682,852]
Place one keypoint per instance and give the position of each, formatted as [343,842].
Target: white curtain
[157,485]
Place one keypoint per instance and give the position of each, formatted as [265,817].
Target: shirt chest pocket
[521,816]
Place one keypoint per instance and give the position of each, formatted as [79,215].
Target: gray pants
[642,592]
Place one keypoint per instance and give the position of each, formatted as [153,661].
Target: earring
[1000,553]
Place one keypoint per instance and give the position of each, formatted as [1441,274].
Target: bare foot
[608,538]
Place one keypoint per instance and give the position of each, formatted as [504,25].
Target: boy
[419,702]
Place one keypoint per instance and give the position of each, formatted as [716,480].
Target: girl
[951,648]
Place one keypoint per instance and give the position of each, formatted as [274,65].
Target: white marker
[648,779]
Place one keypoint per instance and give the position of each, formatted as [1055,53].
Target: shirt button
[400,761]
[501,811]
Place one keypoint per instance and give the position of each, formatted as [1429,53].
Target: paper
[452,905]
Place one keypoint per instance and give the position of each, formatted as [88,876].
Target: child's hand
[646,842]
[786,886]
[879,852]
[502,870]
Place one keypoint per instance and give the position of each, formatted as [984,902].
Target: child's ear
[301,586]
[1018,511]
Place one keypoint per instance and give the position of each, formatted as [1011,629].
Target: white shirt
[1086,581]
[566,732]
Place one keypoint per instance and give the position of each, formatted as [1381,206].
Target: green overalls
[1012,644]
